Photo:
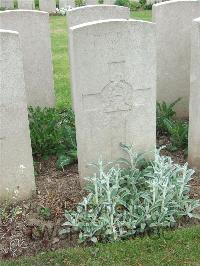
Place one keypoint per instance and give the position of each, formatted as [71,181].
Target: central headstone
[66,3]
[7,4]
[91,2]
[86,14]
[33,27]
[16,163]
[173,30]
[26,4]
[109,2]
[114,102]
[47,5]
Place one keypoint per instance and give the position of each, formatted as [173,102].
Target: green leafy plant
[45,213]
[53,133]
[79,3]
[122,3]
[164,112]
[131,197]
[148,7]
[142,2]
[178,131]
[64,160]
[133,5]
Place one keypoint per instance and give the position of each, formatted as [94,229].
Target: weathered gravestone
[109,2]
[173,28]
[91,2]
[66,3]
[86,14]
[33,27]
[113,66]
[26,4]
[16,163]
[7,4]
[194,121]
[48,5]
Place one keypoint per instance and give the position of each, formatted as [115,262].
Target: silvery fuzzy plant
[130,197]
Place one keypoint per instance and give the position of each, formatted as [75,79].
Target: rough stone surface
[33,27]
[90,13]
[86,14]
[16,163]
[26,4]
[48,5]
[194,121]
[113,102]
[91,2]
[66,3]
[7,4]
[109,2]
[173,28]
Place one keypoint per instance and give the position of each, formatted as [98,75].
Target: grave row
[48,5]
[116,65]
[26,80]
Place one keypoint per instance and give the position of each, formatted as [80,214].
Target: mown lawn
[60,55]
[180,247]
[60,60]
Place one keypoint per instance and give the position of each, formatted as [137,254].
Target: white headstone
[109,2]
[173,28]
[26,4]
[47,5]
[7,4]
[86,14]
[113,66]
[16,163]
[194,121]
[91,2]
[33,27]
[66,3]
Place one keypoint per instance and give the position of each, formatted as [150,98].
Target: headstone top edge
[8,32]
[23,11]
[110,21]
[97,6]
[172,2]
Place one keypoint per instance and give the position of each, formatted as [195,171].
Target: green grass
[60,56]
[60,60]
[142,15]
[180,247]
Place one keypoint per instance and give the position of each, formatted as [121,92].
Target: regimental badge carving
[117,96]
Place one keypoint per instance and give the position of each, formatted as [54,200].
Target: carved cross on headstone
[115,101]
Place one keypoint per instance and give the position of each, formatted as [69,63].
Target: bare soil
[35,224]
[30,230]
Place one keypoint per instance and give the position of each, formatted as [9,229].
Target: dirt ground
[34,226]
[37,223]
